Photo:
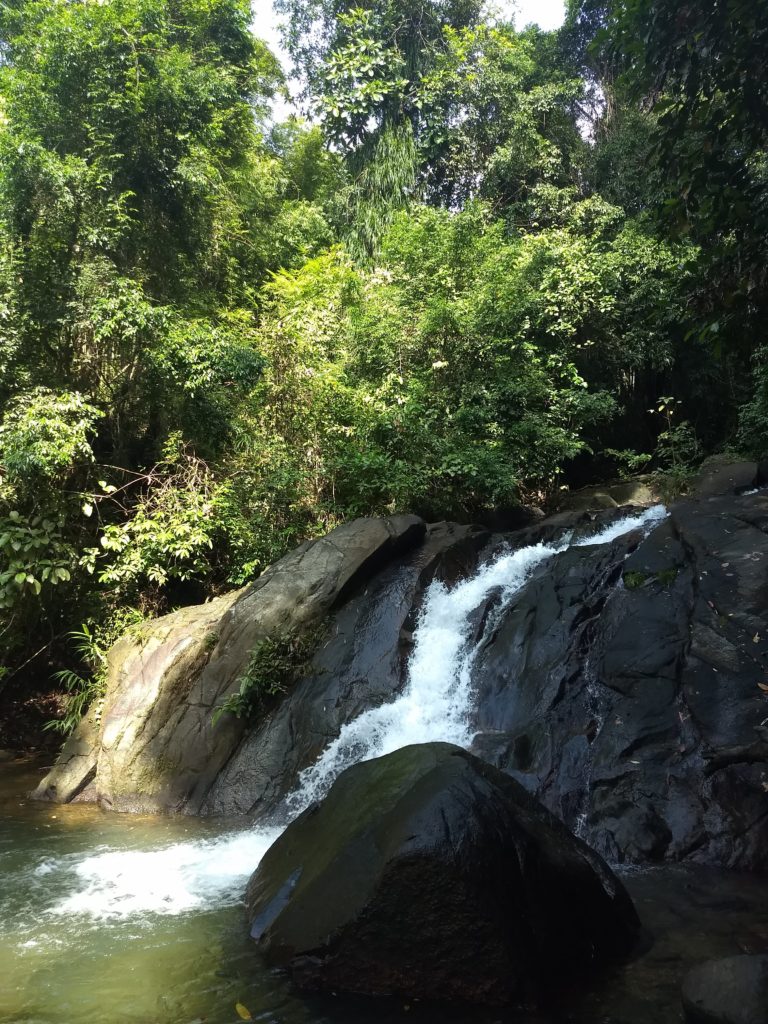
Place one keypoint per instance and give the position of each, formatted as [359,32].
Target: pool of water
[64,960]
[690,915]
[74,949]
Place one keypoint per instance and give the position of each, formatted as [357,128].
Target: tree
[140,207]
[688,102]
[363,67]
[497,109]
[135,119]
[361,63]
[702,68]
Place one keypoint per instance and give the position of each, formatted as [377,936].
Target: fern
[91,643]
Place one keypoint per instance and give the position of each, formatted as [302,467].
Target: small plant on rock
[276,664]
[634,580]
[678,450]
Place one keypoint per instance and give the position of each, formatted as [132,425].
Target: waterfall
[436,701]
[435,704]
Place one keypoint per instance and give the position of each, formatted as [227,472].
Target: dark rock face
[624,687]
[729,991]
[429,874]
[720,475]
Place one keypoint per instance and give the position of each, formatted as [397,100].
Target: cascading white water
[436,700]
[434,705]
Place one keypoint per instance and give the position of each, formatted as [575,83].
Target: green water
[122,919]
[72,967]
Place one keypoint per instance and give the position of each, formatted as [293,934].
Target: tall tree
[361,62]
[701,68]
[498,109]
[133,182]
[362,65]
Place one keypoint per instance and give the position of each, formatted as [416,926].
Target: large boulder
[720,475]
[154,745]
[640,491]
[429,874]
[733,990]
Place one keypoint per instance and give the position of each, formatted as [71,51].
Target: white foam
[644,520]
[171,880]
[435,704]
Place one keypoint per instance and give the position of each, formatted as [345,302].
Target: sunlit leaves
[46,434]
[458,373]
[33,554]
[496,117]
[362,76]
[170,532]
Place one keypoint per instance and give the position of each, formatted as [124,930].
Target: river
[107,917]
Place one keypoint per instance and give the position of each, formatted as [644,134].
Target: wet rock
[362,664]
[75,767]
[721,475]
[624,687]
[155,746]
[729,991]
[589,498]
[512,517]
[428,874]
[638,492]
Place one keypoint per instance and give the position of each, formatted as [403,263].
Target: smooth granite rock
[155,747]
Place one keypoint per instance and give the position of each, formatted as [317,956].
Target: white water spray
[435,704]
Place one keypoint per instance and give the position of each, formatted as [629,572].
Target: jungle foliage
[462,282]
